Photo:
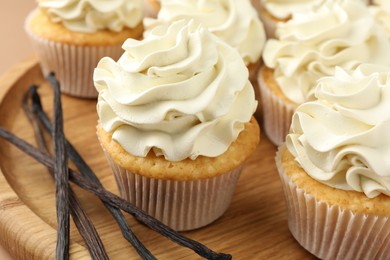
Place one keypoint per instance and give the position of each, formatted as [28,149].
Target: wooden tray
[254,226]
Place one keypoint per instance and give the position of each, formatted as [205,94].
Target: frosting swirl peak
[89,16]
[309,46]
[342,139]
[283,9]
[181,92]
[234,21]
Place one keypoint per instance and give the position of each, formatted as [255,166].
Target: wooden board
[254,226]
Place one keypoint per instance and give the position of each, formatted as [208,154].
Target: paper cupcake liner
[181,205]
[277,114]
[72,64]
[329,232]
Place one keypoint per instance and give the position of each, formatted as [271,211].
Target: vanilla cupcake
[234,21]
[310,46]
[175,121]
[275,11]
[71,36]
[336,168]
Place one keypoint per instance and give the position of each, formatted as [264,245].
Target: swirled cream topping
[89,16]
[283,9]
[381,12]
[180,92]
[343,138]
[234,21]
[309,46]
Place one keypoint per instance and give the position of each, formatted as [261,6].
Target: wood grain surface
[254,226]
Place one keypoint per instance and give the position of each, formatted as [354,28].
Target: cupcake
[71,36]
[310,46]
[335,166]
[175,122]
[151,7]
[275,11]
[234,21]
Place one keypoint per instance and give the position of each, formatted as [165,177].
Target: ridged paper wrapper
[329,232]
[181,205]
[72,64]
[277,114]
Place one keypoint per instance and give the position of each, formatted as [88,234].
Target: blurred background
[14,44]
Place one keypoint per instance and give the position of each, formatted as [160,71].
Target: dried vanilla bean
[87,172]
[148,220]
[33,119]
[61,176]
[82,221]
[115,201]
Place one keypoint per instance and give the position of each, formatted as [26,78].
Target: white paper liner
[73,65]
[181,205]
[329,232]
[277,114]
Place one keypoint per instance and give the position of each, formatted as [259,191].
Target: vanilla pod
[114,200]
[80,218]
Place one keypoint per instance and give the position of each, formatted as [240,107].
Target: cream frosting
[283,9]
[89,16]
[234,21]
[342,139]
[181,92]
[381,12]
[310,45]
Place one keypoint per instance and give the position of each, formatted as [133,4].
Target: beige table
[14,44]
